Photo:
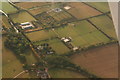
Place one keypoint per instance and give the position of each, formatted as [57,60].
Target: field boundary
[95,9]
[99,29]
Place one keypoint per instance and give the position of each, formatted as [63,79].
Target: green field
[8,8]
[102,6]
[105,24]
[83,34]
[92,38]
[30,57]
[5,22]
[56,45]
[75,29]
[60,15]
[21,17]
[62,73]
[40,35]
[11,66]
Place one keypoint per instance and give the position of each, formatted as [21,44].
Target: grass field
[11,66]
[8,8]
[102,6]
[93,38]
[5,22]
[105,24]
[21,17]
[83,34]
[56,45]
[30,57]
[62,73]
[101,61]
[40,35]
[60,15]
[28,5]
[39,10]
[80,10]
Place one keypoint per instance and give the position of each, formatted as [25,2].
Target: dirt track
[101,61]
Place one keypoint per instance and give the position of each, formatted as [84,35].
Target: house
[26,25]
[66,39]
[75,48]
[57,10]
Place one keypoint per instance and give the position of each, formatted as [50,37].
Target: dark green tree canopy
[17,43]
[58,61]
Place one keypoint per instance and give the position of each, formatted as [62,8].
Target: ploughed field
[102,61]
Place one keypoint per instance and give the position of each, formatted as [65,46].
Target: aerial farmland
[58,40]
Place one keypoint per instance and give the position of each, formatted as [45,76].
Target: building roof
[26,25]
[67,7]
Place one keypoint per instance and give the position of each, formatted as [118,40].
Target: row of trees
[55,61]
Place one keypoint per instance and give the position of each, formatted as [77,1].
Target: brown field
[80,10]
[38,10]
[27,5]
[100,61]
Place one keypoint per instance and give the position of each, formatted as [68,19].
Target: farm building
[57,10]
[67,7]
[66,39]
[26,25]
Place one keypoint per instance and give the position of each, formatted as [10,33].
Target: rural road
[19,74]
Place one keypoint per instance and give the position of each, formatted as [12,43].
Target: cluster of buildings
[26,25]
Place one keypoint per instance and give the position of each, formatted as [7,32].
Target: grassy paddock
[21,17]
[105,24]
[56,45]
[5,22]
[38,10]
[83,34]
[11,66]
[28,5]
[40,35]
[102,6]
[62,73]
[8,8]
[31,59]
[60,15]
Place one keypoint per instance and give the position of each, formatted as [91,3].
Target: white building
[67,7]
[26,25]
